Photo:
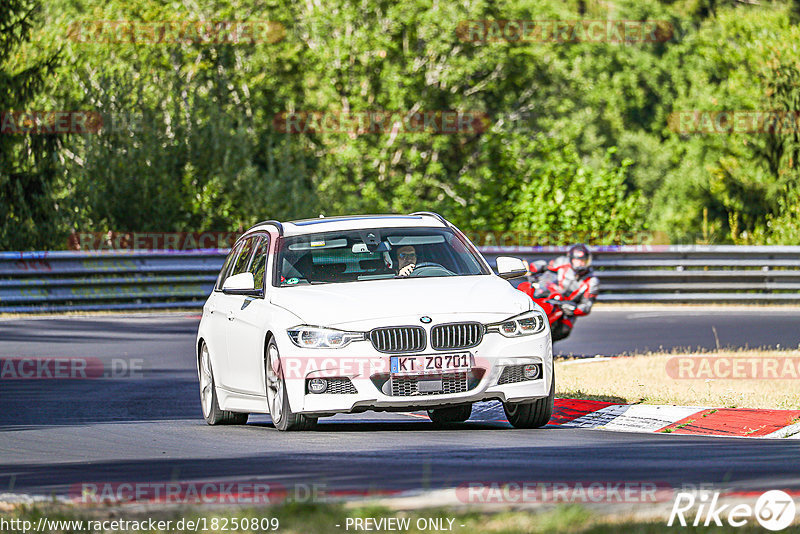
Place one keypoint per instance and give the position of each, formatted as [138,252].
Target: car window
[259,264]
[226,267]
[243,258]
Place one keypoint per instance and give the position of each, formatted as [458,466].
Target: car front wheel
[534,414]
[278,399]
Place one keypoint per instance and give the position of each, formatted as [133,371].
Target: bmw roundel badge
[425,319]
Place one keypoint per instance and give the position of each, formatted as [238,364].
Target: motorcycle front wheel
[560,331]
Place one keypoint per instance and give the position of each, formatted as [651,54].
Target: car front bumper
[368,373]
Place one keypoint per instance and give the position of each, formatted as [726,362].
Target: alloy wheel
[206,381]
[274,384]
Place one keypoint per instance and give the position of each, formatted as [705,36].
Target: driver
[406,260]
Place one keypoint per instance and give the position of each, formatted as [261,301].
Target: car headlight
[315,337]
[525,324]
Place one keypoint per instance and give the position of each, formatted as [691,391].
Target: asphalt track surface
[57,434]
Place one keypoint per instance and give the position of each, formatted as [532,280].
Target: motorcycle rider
[571,277]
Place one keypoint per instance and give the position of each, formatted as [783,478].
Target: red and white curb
[651,418]
[697,420]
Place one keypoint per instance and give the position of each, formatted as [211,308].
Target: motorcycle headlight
[315,337]
[525,324]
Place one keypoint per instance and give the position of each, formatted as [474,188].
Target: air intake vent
[456,336]
[407,386]
[397,339]
[341,386]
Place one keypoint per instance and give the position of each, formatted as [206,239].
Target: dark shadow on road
[391,426]
[621,457]
[78,402]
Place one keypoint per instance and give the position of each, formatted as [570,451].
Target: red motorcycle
[559,311]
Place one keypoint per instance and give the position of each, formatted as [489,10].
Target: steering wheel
[429,268]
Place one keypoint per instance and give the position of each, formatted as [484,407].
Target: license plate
[430,385]
[430,363]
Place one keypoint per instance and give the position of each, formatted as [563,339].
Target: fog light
[317,385]
[531,371]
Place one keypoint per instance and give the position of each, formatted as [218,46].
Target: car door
[224,306]
[246,329]
[216,312]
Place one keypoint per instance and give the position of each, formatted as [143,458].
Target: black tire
[560,331]
[451,414]
[210,407]
[284,418]
[534,414]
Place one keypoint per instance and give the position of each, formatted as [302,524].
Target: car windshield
[373,254]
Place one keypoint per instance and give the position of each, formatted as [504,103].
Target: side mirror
[239,284]
[508,267]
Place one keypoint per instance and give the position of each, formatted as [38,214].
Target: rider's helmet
[579,259]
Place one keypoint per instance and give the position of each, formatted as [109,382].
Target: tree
[187,143]
[29,211]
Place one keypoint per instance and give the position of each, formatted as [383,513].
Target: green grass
[647,379]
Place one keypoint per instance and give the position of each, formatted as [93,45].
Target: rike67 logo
[774,510]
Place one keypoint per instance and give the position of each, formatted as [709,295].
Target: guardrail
[119,280]
[126,280]
[685,273]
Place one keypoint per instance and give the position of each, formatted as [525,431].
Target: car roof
[354,222]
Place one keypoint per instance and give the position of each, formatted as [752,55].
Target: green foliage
[577,141]
[562,196]
[187,144]
[29,210]
[741,59]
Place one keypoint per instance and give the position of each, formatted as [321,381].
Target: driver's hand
[405,271]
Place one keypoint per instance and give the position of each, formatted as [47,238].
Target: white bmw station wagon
[312,318]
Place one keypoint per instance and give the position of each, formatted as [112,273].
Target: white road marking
[791,432]
[634,418]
